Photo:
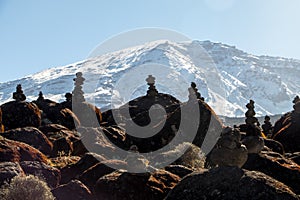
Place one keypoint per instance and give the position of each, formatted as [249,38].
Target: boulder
[230,183]
[287,131]
[179,170]
[56,131]
[88,114]
[74,190]
[45,172]
[276,166]
[13,151]
[123,185]
[294,157]
[254,144]
[95,141]
[19,114]
[62,146]
[73,171]
[31,136]
[8,170]
[274,145]
[229,151]
[139,112]
[1,125]
[90,176]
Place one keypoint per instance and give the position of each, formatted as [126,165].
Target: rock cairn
[229,151]
[41,97]
[152,92]
[77,92]
[267,127]
[250,114]
[19,95]
[193,92]
[296,105]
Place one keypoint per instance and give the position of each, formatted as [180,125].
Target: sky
[40,34]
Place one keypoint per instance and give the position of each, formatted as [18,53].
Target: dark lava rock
[276,166]
[179,170]
[74,190]
[62,146]
[47,173]
[123,185]
[287,131]
[230,183]
[90,176]
[274,146]
[294,157]
[13,151]
[54,113]
[8,170]
[88,114]
[19,114]
[31,136]
[75,170]
[139,110]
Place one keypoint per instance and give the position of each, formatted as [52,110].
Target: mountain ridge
[271,82]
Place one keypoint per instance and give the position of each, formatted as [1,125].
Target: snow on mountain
[226,76]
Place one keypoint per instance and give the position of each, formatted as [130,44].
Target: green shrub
[26,188]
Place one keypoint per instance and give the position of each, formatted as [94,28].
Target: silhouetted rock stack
[250,114]
[77,92]
[296,99]
[229,151]
[253,140]
[193,92]
[19,113]
[41,97]
[152,92]
[19,95]
[68,102]
[287,129]
[267,127]
[88,114]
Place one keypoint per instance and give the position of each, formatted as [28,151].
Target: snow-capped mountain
[225,76]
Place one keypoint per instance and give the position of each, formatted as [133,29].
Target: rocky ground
[48,140]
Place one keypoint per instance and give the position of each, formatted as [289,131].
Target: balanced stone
[152,92]
[19,95]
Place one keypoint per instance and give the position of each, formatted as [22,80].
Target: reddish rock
[50,174]
[73,171]
[8,170]
[1,125]
[62,146]
[90,176]
[74,190]
[56,131]
[95,141]
[230,183]
[13,151]
[31,136]
[276,166]
[88,114]
[179,170]
[19,114]
[287,131]
[123,185]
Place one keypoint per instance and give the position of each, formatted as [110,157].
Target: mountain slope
[225,76]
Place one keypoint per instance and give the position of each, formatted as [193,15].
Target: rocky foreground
[48,140]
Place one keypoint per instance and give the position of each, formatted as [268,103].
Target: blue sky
[39,34]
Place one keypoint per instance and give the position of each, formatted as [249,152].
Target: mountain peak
[226,76]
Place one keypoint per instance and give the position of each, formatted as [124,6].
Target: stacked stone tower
[19,95]
[77,92]
[152,92]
